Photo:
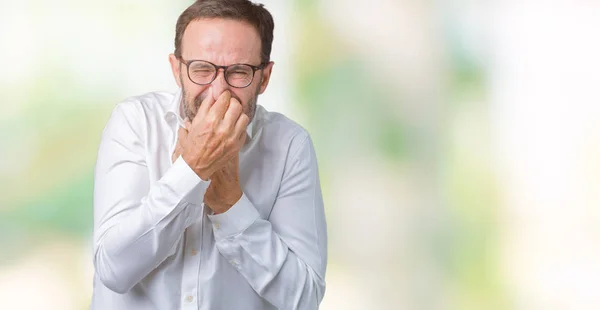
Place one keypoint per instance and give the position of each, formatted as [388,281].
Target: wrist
[203,173]
[234,198]
[226,205]
[220,210]
[204,176]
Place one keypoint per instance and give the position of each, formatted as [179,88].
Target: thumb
[187,124]
[182,134]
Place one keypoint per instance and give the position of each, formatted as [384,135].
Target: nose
[219,85]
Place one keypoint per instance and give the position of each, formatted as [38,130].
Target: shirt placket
[191,266]
[209,246]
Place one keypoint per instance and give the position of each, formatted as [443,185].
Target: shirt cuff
[235,220]
[184,181]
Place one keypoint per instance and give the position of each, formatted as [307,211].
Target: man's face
[222,42]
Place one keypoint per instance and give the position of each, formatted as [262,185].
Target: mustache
[198,101]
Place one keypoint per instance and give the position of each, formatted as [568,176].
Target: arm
[284,259]
[136,225]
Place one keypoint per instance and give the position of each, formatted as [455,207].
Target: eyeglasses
[203,72]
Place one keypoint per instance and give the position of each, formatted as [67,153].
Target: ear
[175,68]
[266,76]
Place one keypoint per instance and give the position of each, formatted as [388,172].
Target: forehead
[222,41]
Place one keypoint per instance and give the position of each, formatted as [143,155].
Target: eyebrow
[244,61]
[247,62]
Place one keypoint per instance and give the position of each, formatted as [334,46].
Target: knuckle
[230,143]
[211,120]
[236,105]
[244,118]
[221,132]
[205,128]
[233,110]
[212,144]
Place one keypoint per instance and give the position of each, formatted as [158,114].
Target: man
[202,199]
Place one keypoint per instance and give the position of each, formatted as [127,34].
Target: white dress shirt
[157,247]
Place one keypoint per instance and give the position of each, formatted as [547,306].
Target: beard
[191,105]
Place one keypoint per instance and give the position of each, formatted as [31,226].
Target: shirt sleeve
[136,225]
[283,258]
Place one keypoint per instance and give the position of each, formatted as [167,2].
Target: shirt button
[217,225]
[234,262]
[194,252]
[189,298]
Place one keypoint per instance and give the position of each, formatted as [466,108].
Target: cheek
[249,93]
[193,91]
[244,96]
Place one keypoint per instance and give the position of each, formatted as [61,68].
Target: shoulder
[137,113]
[273,127]
[144,110]
[152,103]
[278,125]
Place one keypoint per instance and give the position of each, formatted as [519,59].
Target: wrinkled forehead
[221,41]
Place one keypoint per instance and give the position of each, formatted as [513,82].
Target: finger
[181,135]
[218,109]
[242,138]
[232,114]
[205,106]
[240,127]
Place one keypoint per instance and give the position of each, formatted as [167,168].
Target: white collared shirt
[157,247]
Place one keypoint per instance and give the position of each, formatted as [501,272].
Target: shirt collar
[174,112]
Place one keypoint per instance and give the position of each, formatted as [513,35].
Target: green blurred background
[458,143]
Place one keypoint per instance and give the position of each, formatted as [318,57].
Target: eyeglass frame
[217,67]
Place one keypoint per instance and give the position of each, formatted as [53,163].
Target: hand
[215,135]
[224,189]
